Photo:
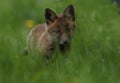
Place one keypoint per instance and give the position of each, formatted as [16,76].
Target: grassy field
[95,53]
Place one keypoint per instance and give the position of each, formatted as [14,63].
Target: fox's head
[61,27]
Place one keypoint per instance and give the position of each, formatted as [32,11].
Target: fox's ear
[50,16]
[69,13]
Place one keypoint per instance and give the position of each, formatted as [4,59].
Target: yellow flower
[29,23]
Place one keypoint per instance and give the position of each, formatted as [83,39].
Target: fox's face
[61,27]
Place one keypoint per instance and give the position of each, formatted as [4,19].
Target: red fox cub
[57,31]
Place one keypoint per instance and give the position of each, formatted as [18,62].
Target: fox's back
[39,29]
[35,34]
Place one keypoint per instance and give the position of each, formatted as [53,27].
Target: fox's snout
[64,39]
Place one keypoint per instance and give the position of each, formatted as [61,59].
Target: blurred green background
[95,53]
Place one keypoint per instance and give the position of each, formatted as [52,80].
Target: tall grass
[95,53]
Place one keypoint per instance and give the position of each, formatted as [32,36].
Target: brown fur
[57,30]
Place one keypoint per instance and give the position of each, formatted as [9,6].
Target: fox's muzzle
[64,42]
[64,39]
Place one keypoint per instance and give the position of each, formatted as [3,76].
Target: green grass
[95,53]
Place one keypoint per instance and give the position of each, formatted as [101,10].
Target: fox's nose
[64,42]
